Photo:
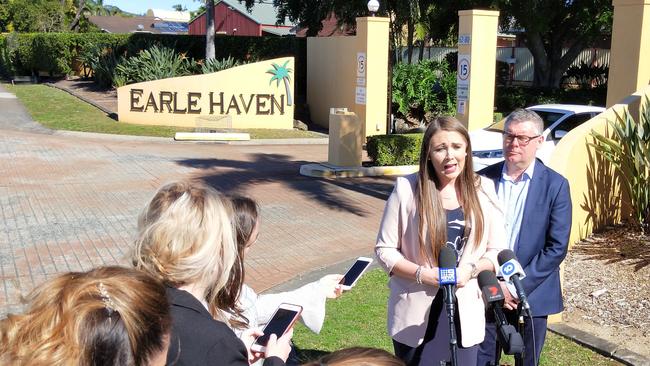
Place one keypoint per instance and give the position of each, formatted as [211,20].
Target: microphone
[447,279]
[510,340]
[447,273]
[512,272]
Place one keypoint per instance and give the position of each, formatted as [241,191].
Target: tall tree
[209,30]
[79,14]
[552,26]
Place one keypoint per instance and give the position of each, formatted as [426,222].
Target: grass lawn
[59,110]
[358,318]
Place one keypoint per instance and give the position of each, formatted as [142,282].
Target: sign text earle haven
[195,102]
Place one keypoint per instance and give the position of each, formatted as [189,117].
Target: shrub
[152,64]
[427,86]
[55,52]
[586,76]
[401,149]
[508,99]
[628,150]
[214,65]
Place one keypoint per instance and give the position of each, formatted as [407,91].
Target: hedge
[508,99]
[399,149]
[55,53]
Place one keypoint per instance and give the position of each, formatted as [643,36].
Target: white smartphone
[281,321]
[353,274]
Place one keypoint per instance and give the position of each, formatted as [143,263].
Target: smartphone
[353,274]
[281,321]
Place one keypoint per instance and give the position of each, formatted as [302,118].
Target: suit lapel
[494,173]
[533,198]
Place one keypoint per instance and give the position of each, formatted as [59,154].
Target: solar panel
[178,27]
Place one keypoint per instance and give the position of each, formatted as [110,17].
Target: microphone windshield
[447,258]
[447,266]
[487,278]
[505,255]
[487,281]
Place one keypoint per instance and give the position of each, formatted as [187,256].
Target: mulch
[607,286]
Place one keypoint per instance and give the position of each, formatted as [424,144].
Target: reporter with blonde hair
[106,316]
[187,240]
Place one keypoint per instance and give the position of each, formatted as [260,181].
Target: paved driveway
[69,201]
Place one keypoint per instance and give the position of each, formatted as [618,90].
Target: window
[571,123]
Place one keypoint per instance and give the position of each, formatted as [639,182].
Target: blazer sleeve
[557,240]
[387,248]
[310,296]
[227,351]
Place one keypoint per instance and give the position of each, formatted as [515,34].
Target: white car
[559,119]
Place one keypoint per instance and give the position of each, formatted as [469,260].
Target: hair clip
[108,302]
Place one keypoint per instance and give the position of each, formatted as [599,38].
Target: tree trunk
[422,44]
[80,8]
[410,30]
[550,68]
[209,30]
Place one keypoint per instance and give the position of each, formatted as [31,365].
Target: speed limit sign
[463,68]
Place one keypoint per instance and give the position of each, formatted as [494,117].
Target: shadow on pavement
[234,176]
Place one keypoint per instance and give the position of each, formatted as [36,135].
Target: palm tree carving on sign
[282,73]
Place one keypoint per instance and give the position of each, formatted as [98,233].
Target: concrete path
[69,201]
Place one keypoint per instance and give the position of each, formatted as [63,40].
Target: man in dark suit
[537,211]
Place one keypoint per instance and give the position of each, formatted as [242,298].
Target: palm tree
[96,7]
[282,73]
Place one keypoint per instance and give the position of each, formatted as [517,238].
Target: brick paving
[69,202]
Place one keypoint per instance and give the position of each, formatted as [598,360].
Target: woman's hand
[463,275]
[248,337]
[279,347]
[430,276]
[330,285]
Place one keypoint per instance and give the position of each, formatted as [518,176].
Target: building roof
[278,31]
[169,15]
[263,12]
[118,24]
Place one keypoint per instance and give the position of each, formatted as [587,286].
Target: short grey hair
[524,115]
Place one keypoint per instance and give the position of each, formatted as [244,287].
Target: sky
[141,6]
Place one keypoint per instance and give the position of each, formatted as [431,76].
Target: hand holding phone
[281,322]
[279,347]
[330,285]
[352,275]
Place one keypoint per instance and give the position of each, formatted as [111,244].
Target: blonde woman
[107,316]
[187,240]
[444,204]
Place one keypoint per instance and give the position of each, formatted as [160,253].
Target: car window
[573,122]
[549,117]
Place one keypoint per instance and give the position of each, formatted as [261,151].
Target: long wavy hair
[186,237]
[107,316]
[246,213]
[432,215]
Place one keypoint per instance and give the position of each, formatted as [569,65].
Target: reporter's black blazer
[198,339]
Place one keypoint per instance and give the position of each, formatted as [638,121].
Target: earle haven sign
[257,95]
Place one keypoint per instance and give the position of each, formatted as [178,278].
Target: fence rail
[524,64]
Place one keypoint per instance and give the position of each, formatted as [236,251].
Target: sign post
[477,42]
